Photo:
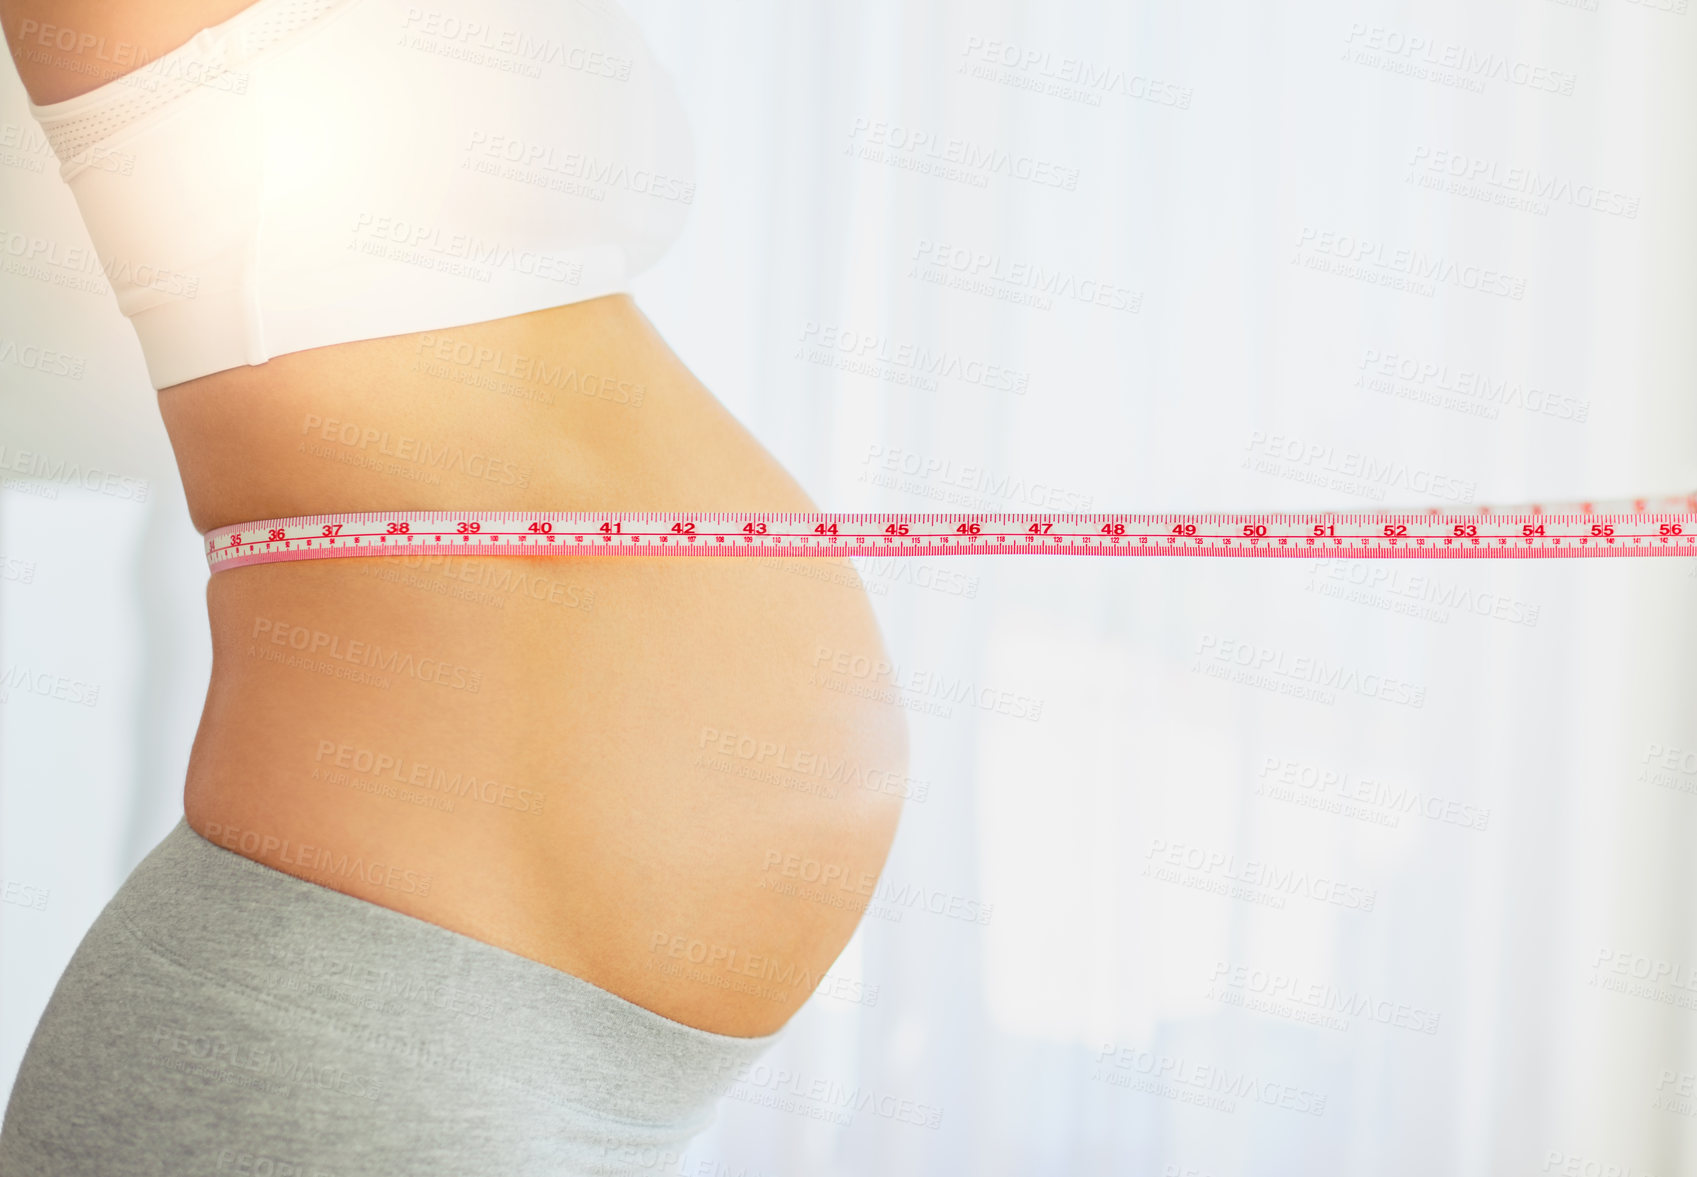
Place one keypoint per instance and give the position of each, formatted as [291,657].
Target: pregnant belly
[662,775]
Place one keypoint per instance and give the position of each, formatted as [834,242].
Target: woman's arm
[63,48]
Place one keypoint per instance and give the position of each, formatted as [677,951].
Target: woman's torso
[666,776]
[651,773]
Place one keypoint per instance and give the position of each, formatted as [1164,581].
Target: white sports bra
[313,172]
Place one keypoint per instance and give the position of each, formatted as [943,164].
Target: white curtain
[1168,905]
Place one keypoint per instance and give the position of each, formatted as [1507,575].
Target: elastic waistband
[436,994]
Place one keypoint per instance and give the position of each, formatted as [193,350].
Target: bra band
[213,58]
[318,172]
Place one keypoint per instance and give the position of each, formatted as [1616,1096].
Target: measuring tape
[1664,526]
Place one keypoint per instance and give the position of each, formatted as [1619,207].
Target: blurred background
[1164,906]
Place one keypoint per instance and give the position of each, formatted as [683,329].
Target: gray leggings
[222,1017]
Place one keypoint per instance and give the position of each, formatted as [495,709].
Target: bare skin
[620,767]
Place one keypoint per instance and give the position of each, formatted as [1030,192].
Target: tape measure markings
[1479,532]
